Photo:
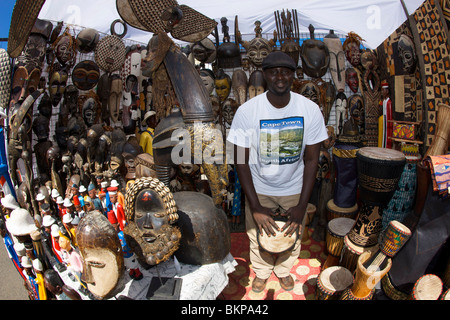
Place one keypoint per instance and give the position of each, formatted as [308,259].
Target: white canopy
[372,20]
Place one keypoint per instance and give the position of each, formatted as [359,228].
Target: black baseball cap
[278,59]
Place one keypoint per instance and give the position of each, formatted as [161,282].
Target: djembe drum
[344,161]
[279,243]
[336,231]
[379,170]
[351,252]
[427,287]
[332,282]
[333,211]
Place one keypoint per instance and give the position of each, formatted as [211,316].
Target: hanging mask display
[310,90]
[85,75]
[315,56]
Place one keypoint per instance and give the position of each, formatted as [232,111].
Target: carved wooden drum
[379,170]
[336,231]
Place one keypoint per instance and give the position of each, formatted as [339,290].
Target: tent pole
[404,8]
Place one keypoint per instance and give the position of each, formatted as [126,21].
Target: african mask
[228,110]
[407,52]
[256,84]
[337,60]
[33,54]
[324,165]
[57,86]
[110,53]
[151,211]
[239,85]
[87,39]
[85,75]
[223,85]
[64,48]
[311,91]
[102,254]
[204,51]
[208,79]
[115,97]
[258,48]
[89,111]
[352,48]
[352,79]
[315,56]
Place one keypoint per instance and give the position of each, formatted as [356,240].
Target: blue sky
[6,9]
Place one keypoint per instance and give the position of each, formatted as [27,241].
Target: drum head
[341,226]
[381,153]
[278,243]
[336,279]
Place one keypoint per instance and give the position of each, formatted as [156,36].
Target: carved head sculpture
[208,79]
[352,79]
[315,56]
[223,85]
[57,86]
[288,33]
[102,254]
[352,48]
[239,85]
[228,53]
[85,75]
[256,84]
[258,48]
[407,52]
[151,211]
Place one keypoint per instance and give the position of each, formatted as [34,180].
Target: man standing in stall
[277,137]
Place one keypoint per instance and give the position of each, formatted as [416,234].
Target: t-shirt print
[281,140]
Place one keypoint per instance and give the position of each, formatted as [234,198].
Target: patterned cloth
[440,174]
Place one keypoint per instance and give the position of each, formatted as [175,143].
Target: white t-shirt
[277,140]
